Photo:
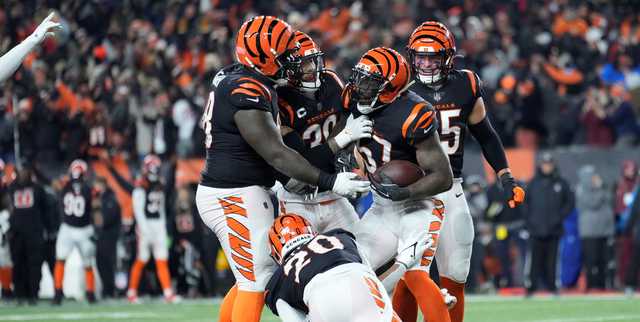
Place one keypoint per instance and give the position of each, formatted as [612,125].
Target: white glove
[348,185]
[355,129]
[449,299]
[410,252]
[46,28]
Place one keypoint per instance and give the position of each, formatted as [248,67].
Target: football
[401,172]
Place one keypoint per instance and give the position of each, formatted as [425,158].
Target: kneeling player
[76,229]
[324,276]
[404,128]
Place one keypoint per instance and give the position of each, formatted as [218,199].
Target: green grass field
[479,309]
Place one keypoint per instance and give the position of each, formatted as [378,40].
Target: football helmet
[287,232]
[307,76]
[431,50]
[267,45]
[151,167]
[78,169]
[378,78]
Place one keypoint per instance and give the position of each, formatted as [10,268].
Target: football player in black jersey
[404,128]
[310,108]
[76,230]
[324,276]
[457,98]
[244,146]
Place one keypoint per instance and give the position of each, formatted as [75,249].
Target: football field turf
[479,309]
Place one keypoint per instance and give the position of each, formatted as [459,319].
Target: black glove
[513,193]
[387,189]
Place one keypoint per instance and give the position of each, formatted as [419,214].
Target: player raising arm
[10,61]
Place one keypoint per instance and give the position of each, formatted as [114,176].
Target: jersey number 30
[319,245]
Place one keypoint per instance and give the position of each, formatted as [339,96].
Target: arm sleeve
[139,197]
[126,185]
[288,313]
[491,144]
[10,61]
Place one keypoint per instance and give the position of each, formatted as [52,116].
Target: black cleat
[91,297]
[7,295]
[57,299]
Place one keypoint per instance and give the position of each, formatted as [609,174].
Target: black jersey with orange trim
[454,101]
[396,130]
[76,204]
[324,252]
[231,162]
[313,118]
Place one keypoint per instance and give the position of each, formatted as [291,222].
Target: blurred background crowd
[128,78]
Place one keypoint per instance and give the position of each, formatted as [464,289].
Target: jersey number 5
[319,245]
[449,134]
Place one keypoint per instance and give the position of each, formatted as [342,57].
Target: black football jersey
[396,129]
[454,102]
[322,253]
[313,118]
[154,206]
[76,204]
[231,162]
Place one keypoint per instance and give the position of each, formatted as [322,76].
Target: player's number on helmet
[319,245]
[370,162]
[449,134]
[73,205]
[207,120]
[320,134]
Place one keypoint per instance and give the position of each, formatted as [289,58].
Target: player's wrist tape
[326,180]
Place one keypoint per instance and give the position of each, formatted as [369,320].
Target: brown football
[401,172]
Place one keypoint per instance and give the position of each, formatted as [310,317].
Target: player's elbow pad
[491,144]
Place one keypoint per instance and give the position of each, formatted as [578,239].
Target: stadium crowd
[127,79]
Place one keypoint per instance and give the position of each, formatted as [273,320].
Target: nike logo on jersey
[255,99]
[458,195]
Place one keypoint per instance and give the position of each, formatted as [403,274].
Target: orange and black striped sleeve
[475,83]
[249,93]
[421,123]
[287,116]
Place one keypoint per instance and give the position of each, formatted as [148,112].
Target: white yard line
[596,319]
[78,316]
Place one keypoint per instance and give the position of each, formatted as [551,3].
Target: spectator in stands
[598,130]
[550,200]
[595,224]
[107,221]
[621,114]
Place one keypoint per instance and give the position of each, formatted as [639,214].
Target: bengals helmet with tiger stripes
[78,169]
[267,45]
[307,76]
[378,78]
[431,51]
[287,232]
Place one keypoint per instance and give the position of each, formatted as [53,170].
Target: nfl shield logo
[437,96]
